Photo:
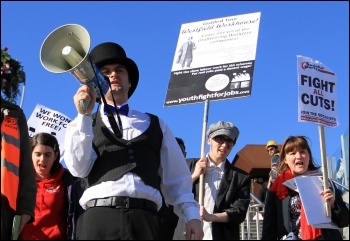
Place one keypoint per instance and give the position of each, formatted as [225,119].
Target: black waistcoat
[116,156]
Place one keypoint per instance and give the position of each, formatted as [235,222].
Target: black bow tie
[124,110]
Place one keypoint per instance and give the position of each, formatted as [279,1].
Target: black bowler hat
[109,53]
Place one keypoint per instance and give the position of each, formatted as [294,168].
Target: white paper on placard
[291,185]
[44,119]
[309,190]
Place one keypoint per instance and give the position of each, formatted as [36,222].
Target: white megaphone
[66,49]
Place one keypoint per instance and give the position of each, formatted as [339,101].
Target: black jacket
[276,217]
[233,197]
[74,190]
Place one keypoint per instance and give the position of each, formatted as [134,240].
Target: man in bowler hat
[127,157]
[226,194]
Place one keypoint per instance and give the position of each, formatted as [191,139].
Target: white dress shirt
[176,182]
[212,180]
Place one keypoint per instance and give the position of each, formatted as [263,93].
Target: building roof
[254,159]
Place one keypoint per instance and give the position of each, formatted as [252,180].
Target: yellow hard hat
[271,143]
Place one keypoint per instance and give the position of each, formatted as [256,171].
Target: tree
[12,75]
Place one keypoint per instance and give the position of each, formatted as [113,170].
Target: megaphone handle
[84,104]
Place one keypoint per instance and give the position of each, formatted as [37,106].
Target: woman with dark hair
[57,203]
[284,216]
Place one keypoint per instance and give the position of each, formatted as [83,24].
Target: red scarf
[307,231]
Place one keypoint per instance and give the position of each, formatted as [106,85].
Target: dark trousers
[7,215]
[107,223]
[168,221]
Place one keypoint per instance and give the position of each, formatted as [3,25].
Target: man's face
[119,79]
[271,150]
[220,146]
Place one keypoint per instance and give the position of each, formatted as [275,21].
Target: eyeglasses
[270,149]
[221,140]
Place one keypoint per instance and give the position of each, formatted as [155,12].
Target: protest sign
[214,59]
[317,93]
[44,119]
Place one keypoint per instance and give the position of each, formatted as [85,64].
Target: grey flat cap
[223,128]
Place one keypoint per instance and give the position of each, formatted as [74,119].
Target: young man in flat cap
[127,158]
[226,194]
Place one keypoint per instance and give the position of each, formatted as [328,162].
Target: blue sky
[149,31]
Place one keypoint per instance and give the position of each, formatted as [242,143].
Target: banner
[317,93]
[214,59]
[44,119]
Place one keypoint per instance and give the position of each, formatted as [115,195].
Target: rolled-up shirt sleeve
[79,155]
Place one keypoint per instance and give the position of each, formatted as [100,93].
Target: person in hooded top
[57,202]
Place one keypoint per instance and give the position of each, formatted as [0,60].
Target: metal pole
[22,94]
[201,177]
[345,158]
[324,167]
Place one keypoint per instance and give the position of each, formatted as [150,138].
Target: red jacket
[50,211]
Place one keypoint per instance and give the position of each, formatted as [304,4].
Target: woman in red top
[52,204]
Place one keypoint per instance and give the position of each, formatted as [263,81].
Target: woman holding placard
[284,216]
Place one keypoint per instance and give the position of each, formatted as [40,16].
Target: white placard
[214,60]
[44,119]
[317,95]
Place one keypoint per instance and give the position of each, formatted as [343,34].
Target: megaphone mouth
[72,35]
[66,49]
